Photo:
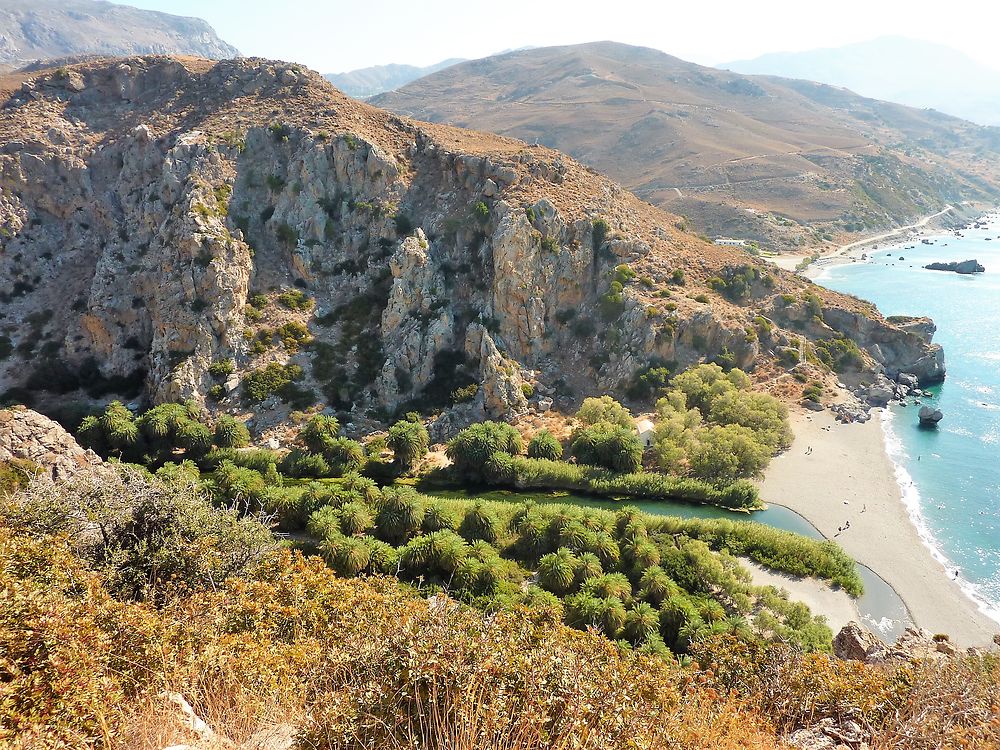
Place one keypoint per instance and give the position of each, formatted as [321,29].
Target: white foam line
[911,500]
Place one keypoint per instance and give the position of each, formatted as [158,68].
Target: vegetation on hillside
[176,595]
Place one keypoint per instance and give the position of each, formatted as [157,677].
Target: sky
[337,36]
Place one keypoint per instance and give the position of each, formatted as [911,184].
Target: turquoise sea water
[950,476]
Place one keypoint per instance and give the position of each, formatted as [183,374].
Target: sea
[949,476]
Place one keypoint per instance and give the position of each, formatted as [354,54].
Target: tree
[608,445]
[475,450]
[604,409]
[723,454]
[231,433]
[409,442]
[557,571]
[544,445]
[641,623]
[319,433]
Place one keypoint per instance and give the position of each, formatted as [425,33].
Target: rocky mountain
[783,162]
[897,69]
[242,233]
[365,82]
[32,30]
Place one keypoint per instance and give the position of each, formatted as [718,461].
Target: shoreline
[853,251]
[848,476]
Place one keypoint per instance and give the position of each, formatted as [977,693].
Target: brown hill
[780,161]
[174,227]
[32,30]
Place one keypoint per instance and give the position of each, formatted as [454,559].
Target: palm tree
[438,517]
[355,518]
[641,622]
[588,567]
[556,571]
[401,515]
[655,585]
[480,522]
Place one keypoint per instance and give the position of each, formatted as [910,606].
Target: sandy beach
[847,476]
[853,251]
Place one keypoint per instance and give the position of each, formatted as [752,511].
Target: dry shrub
[944,704]
[353,663]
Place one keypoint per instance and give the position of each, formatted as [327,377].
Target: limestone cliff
[146,201]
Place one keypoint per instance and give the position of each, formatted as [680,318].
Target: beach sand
[849,463]
[836,605]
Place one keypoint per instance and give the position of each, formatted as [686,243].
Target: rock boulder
[30,436]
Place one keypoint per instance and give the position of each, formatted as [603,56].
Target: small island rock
[963,267]
[929,417]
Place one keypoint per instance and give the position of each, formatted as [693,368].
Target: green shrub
[604,409]
[295,299]
[274,379]
[222,368]
[465,394]
[608,445]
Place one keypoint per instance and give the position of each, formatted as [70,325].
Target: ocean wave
[911,500]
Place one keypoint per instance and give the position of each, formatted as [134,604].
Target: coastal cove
[946,480]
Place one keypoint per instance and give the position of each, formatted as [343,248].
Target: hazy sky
[336,36]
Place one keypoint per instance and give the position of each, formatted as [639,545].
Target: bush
[608,445]
[274,379]
[154,535]
[303,464]
[295,299]
[544,445]
[222,368]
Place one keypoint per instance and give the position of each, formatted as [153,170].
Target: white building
[729,242]
[646,430]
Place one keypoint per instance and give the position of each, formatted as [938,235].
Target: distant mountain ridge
[897,69]
[32,30]
[788,163]
[365,82]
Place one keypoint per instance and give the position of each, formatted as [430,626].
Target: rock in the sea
[963,266]
[929,416]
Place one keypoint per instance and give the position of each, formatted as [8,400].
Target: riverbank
[853,251]
[840,476]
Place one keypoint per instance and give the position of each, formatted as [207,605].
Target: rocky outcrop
[854,642]
[146,201]
[929,416]
[27,435]
[963,267]
[894,349]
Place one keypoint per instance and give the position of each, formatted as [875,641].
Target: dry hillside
[783,162]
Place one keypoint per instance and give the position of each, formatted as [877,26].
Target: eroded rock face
[907,349]
[142,203]
[30,436]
